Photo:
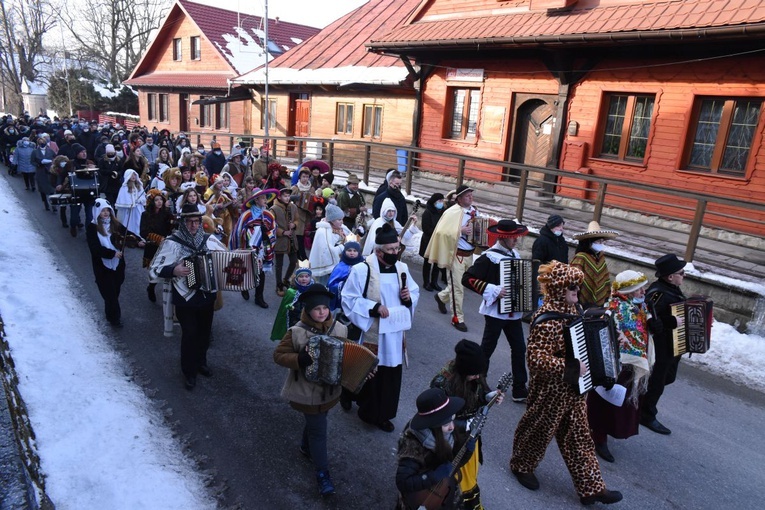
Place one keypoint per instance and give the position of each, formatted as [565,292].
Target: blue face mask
[439,205]
[558,232]
[638,300]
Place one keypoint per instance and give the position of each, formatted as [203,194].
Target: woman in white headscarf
[131,201]
[388,213]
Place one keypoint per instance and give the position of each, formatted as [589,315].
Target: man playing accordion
[483,278]
[194,308]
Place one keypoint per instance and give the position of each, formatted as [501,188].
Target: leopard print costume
[554,407]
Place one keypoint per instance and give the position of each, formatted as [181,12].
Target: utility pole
[266,105]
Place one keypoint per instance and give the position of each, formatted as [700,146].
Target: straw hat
[595,232]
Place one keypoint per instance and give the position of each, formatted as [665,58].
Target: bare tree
[113,34]
[22,25]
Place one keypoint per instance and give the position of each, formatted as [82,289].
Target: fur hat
[201,178]
[470,359]
[333,212]
[170,173]
[629,281]
[435,408]
[152,194]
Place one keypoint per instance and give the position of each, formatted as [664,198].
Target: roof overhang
[235,95]
[335,76]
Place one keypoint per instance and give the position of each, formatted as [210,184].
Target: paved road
[240,432]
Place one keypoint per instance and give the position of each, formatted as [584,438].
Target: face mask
[390,258]
[217,153]
[111,157]
[62,164]
[598,247]
[201,151]
[638,300]
[439,205]
[558,233]
[41,145]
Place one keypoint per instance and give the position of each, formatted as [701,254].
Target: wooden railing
[526,189]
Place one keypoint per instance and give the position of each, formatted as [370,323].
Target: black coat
[549,247]
[430,217]
[660,296]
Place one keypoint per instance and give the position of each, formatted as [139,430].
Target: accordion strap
[552,316]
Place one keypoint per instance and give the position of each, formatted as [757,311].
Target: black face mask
[390,258]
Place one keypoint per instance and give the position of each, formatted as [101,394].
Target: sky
[97,434]
[313,13]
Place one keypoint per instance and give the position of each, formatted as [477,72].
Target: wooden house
[332,87]
[667,93]
[183,78]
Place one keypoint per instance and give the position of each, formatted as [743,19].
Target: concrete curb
[22,484]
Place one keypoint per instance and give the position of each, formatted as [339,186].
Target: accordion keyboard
[580,353]
[679,341]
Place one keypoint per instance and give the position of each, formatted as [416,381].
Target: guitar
[407,226]
[434,497]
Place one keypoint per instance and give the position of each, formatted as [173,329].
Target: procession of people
[344,278]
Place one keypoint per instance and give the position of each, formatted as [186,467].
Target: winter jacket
[430,217]
[23,157]
[549,247]
[284,214]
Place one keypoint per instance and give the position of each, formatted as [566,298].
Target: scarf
[428,440]
[635,342]
[190,244]
[105,238]
[303,187]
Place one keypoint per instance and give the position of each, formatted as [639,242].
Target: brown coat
[284,214]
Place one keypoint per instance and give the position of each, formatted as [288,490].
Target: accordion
[236,270]
[338,362]
[202,275]
[694,335]
[305,200]
[480,237]
[593,341]
[519,279]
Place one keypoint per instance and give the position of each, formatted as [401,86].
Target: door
[532,144]
[300,115]
[183,114]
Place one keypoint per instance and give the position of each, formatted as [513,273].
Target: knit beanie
[554,220]
[333,212]
[470,359]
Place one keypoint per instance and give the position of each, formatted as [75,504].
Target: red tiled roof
[218,24]
[530,27]
[197,80]
[342,43]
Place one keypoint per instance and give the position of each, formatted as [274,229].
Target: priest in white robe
[380,297]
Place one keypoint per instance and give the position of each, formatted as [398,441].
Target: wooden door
[532,144]
[183,113]
[299,118]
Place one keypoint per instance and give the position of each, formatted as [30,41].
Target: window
[151,102]
[372,120]
[271,115]
[205,114]
[196,48]
[221,116]
[177,54]
[627,123]
[344,118]
[164,111]
[722,131]
[464,113]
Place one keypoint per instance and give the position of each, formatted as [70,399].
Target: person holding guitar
[388,215]
[426,451]
[464,377]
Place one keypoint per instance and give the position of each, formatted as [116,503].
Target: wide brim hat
[668,264]
[462,190]
[435,408]
[629,281]
[352,179]
[595,232]
[315,295]
[191,211]
[508,228]
[269,193]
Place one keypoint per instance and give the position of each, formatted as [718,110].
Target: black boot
[150,291]
[260,301]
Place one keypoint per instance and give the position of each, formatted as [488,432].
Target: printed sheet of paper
[614,396]
[400,319]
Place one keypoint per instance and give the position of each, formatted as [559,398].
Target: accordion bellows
[339,362]
[236,270]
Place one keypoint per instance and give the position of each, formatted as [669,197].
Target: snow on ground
[101,442]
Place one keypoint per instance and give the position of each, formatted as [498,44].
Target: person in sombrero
[255,230]
[591,260]
[483,278]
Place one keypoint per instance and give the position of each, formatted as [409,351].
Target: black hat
[316,295]
[470,358]
[554,220]
[77,148]
[508,228]
[462,189]
[386,235]
[668,264]
[435,408]
[190,211]
[329,177]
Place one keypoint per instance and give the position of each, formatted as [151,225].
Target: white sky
[314,13]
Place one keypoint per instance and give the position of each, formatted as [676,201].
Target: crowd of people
[337,267]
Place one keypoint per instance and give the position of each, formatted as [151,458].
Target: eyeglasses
[681,272]
[193,222]
[574,287]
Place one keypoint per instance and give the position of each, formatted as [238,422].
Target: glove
[304,359]
[441,472]
[470,445]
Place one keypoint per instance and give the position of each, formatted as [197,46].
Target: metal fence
[531,192]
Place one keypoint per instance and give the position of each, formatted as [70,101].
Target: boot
[326,487]
[471,500]
[260,301]
[150,291]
